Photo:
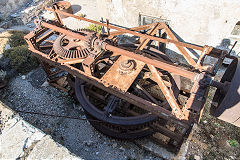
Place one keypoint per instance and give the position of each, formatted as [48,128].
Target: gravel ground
[26,93]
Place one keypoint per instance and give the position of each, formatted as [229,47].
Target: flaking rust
[114,82]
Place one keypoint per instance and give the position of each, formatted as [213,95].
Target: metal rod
[232,47]
[166,92]
[159,64]
[62,30]
[129,31]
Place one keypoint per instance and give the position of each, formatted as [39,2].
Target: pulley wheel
[226,106]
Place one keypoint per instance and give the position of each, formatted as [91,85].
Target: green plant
[21,58]
[16,38]
[217,125]
[233,142]
[95,28]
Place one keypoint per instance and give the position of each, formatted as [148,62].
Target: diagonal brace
[167,93]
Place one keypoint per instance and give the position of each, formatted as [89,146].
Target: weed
[95,28]
[233,142]
[21,58]
[217,125]
[16,38]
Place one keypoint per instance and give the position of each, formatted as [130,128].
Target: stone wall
[8,7]
[20,12]
[32,11]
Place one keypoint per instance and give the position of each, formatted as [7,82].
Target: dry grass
[4,38]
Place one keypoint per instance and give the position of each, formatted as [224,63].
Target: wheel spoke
[112,105]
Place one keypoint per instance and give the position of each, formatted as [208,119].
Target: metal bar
[108,30]
[145,41]
[147,94]
[40,39]
[140,28]
[58,17]
[167,132]
[166,92]
[180,48]
[206,50]
[129,31]
[232,47]
[157,63]
[62,30]
[71,61]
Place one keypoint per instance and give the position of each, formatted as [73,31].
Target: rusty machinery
[134,90]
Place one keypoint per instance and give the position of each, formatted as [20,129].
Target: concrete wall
[197,21]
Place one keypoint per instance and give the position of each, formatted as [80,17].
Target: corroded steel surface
[133,90]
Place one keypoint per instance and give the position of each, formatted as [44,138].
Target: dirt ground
[214,139]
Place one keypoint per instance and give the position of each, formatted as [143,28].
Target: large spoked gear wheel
[117,131]
[117,126]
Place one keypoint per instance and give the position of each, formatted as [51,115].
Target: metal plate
[122,81]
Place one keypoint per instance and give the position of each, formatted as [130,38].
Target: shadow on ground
[26,93]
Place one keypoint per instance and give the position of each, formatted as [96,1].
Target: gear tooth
[64,53]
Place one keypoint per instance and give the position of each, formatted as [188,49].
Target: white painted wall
[197,21]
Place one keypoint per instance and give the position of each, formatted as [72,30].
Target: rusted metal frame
[150,32]
[45,47]
[44,37]
[157,63]
[140,28]
[147,94]
[62,30]
[216,66]
[131,32]
[71,61]
[163,130]
[195,103]
[206,51]
[32,36]
[45,67]
[57,15]
[185,54]
[108,29]
[166,92]
[142,103]
[58,86]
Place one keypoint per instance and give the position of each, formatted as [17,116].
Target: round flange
[127,66]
